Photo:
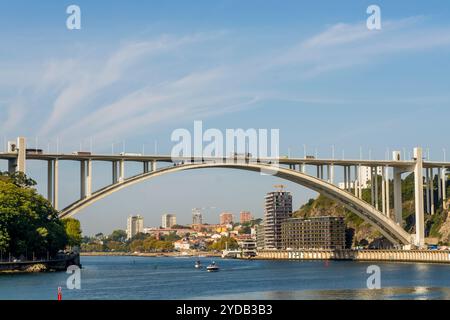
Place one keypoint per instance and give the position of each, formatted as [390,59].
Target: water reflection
[414,293]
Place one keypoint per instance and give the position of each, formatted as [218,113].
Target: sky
[138,70]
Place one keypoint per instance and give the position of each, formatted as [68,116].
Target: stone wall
[358,255]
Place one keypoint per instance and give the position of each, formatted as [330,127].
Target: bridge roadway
[406,165]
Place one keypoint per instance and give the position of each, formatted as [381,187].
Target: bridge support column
[359,182]
[439,185]
[56,183]
[432,209]
[383,190]
[355,182]
[82,179]
[153,167]
[345,178]
[145,166]
[19,164]
[303,168]
[89,178]
[12,165]
[427,191]
[444,187]
[21,155]
[398,203]
[418,186]
[114,172]
[372,187]
[332,174]
[50,180]
[121,170]
[388,198]
[376,189]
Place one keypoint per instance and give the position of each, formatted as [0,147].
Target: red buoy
[59,294]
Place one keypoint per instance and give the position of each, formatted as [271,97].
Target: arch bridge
[380,213]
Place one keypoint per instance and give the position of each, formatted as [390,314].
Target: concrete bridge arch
[386,226]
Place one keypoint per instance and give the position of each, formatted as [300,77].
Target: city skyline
[316,74]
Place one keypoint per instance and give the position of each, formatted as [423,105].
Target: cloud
[147,83]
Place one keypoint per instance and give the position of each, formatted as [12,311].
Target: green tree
[28,222]
[223,243]
[118,235]
[73,231]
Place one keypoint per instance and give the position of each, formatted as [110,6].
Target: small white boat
[212,267]
[198,265]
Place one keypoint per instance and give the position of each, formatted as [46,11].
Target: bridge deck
[281,160]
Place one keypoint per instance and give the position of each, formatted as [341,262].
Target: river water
[176,278]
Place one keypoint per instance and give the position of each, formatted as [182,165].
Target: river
[176,278]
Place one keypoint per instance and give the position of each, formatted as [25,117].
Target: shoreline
[39,266]
[149,254]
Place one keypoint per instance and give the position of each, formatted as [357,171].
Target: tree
[18,178]
[223,243]
[137,246]
[28,222]
[73,231]
[118,235]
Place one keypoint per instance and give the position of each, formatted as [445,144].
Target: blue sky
[137,70]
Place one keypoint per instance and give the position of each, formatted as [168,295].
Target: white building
[168,221]
[197,216]
[181,245]
[135,225]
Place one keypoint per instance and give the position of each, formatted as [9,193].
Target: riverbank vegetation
[29,225]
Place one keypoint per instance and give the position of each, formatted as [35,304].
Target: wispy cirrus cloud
[148,83]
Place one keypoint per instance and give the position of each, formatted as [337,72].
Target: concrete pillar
[398,203]
[376,188]
[355,182]
[50,180]
[56,183]
[349,172]
[303,168]
[328,173]
[318,172]
[444,187]
[439,185]
[82,179]
[89,178]
[345,178]
[121,170]
[432,191]
[146,166]
[332,174]
[372,187]
[359,182]
[21,155]
[418,186]
[114,172]
[383,191]
[427,191]
[153,165]
[12,165]
[388,198]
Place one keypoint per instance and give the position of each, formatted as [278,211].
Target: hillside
[437,226]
